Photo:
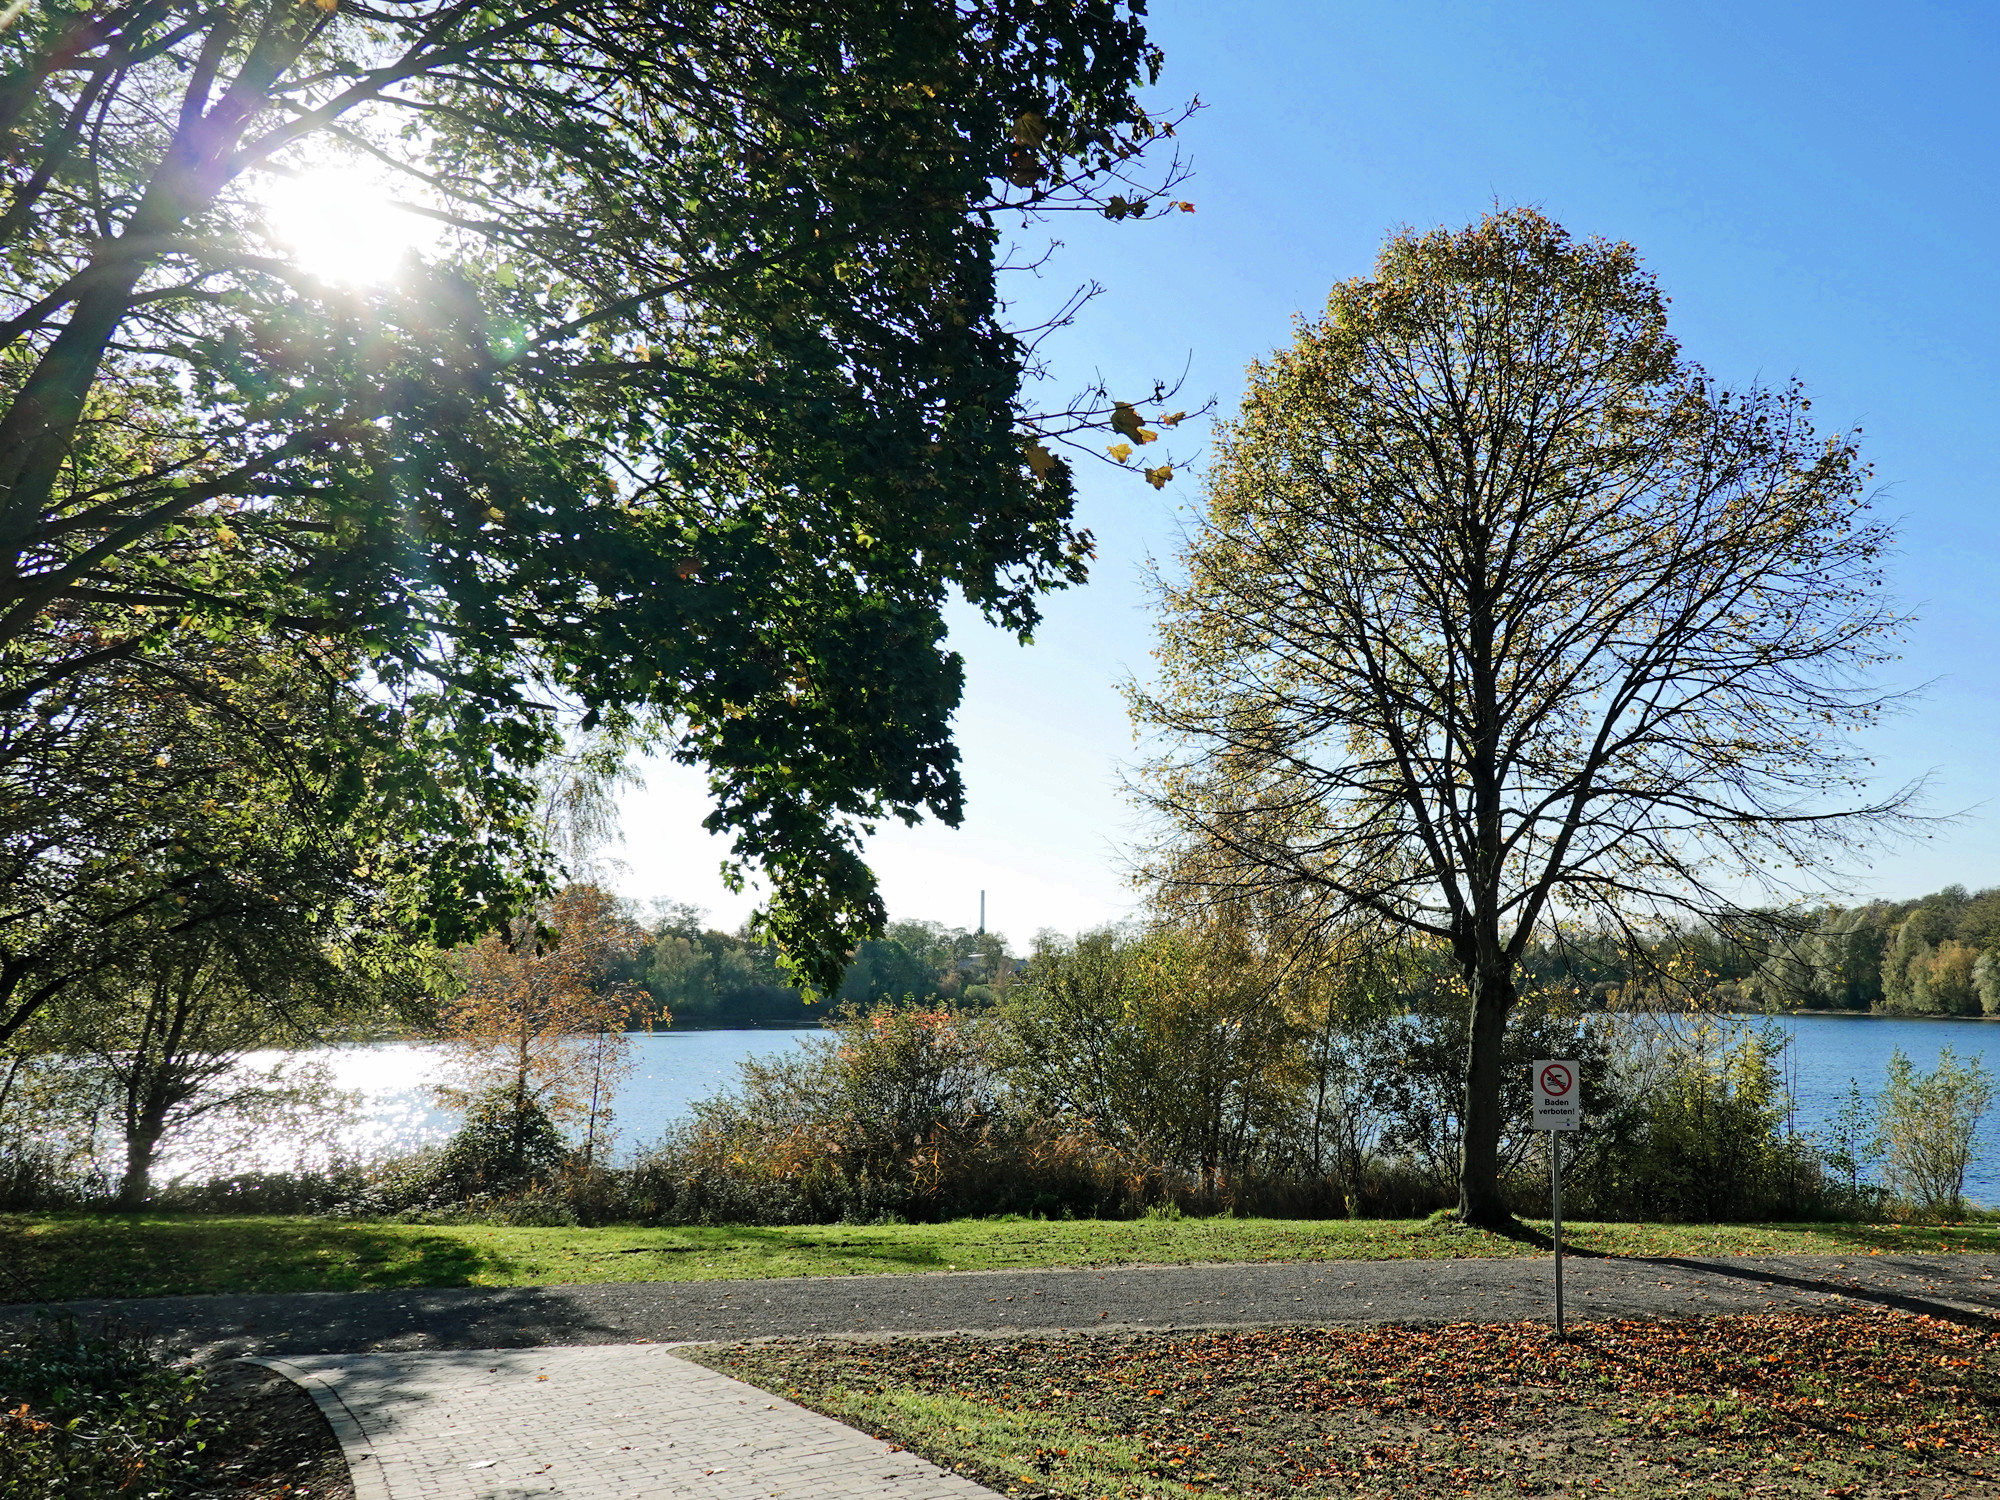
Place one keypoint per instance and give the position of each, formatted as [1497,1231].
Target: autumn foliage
[541,1022]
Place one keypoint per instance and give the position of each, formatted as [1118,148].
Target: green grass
[60,1256]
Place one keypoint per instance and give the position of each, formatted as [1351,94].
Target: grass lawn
[1862,1404]
[60,1256]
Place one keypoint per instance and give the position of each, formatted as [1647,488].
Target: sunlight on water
[396,1114]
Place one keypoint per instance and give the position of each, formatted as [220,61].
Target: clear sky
[1818,189]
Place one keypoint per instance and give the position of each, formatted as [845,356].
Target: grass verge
[55,1257]
[1860,1404]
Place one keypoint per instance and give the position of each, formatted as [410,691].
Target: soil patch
[1875,1403]
[270,1442]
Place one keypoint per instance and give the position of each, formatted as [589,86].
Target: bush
[506,1144]
[34,1178]
[1928,1123]
[899,1116]
[1416,1067]
[1703,1138]
[95,1414]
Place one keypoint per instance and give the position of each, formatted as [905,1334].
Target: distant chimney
[982,913]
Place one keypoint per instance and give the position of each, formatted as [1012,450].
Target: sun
[340,224]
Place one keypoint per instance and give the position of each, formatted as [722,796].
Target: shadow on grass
[58,1258]
[820,1243]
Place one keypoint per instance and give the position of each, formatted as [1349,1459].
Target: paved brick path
[621,1422]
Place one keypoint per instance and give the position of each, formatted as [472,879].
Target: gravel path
[1383,1291]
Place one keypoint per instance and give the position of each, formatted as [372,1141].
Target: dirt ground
[1870,1404]
[272,1441]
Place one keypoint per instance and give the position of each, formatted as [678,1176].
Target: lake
[672,1069]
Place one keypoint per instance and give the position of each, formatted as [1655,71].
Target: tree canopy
[244,797]
[699,407]
[1503,617]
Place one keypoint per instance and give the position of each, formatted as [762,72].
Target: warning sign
[1556,1096]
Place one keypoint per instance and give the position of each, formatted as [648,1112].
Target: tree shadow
[891,1253]
[1856,1291]
[68,1257]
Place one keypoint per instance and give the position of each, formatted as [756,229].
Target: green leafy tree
[1852,1138]
[883,969]
[1850,948]
[1986,980]
[259,792]
[1930,1124]
[1168,1043]
[701,406]
[1711,1143]
[1503,619]
[710,978]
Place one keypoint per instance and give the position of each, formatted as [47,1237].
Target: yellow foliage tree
[542,1023]
[1503,619]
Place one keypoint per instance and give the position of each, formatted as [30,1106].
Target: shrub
[1705,1140]
[1929,1122]
[36,1178]
[1171,1043]
[900,1115]
[506,1144]
[1416,1064]
[95,1414]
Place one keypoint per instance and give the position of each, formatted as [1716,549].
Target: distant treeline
[708,978]
[1938,955]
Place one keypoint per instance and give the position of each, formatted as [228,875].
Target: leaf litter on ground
[1860,1404]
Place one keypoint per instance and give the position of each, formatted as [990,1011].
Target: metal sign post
[1557,1109]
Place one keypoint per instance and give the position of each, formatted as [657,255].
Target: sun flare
[340,224]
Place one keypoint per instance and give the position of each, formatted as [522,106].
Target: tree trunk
[1479,1200]
[142,1140]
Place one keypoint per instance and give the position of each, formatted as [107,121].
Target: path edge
[362,1471]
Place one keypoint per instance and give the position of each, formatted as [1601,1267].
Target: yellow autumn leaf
[1125,420]
[1039,459]
[327,5]
[1120,451]
[1158,477]
[1030,129]
[1173,421]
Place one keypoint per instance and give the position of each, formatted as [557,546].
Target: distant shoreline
[1868,1015]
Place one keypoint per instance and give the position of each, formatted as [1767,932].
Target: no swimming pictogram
[1556,1106]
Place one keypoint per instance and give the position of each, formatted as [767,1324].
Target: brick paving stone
[609,1422]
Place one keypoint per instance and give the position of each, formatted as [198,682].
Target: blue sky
[1816,187]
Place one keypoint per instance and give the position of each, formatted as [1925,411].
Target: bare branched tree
[1503,617]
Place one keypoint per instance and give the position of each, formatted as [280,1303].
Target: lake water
[1827,1050]
[673,1069]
